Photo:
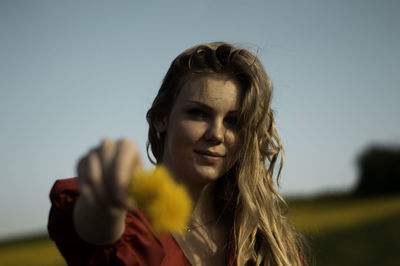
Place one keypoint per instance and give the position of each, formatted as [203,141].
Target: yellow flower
[166,203]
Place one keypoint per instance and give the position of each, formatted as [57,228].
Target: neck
[202,196]
[204,205]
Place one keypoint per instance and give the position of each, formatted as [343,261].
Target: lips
[209,157]
[210,153]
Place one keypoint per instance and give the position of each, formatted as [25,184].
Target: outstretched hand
[105,172]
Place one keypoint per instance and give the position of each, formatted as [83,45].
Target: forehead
[211,89]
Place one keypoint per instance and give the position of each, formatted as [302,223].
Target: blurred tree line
[379,171]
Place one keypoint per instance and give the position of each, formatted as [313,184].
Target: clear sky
[74,72]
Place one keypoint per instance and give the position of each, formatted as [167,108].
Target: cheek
[192,131]
[233,144]
[233,141]
[185,133]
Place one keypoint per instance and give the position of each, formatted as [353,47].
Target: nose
[215,132]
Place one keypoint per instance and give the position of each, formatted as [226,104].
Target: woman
[212,126]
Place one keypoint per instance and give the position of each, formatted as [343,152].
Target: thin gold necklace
[190,228]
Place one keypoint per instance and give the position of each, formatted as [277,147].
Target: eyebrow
[234,112]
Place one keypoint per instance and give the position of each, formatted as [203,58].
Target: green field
[350,231]
[341,231]
[36,251]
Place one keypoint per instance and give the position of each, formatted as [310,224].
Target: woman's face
[202,135]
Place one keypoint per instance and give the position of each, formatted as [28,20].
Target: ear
[161,124]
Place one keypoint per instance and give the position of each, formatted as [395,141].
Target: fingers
[90,177]
[106,171]
[123,165]
[106,153]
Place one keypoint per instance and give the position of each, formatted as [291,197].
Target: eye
[231,121]
[197,113]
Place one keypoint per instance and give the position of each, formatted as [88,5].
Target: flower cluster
[166,203]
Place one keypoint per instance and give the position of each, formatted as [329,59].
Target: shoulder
[65,184]
[64,191]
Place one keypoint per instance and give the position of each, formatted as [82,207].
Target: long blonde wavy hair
[261,233]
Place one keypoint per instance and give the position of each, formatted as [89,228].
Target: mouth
[209,154]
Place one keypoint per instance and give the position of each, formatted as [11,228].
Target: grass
[342,231]
[373,243]
[315,215]
[350,231]
[39,250]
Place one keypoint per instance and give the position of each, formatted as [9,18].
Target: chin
[207,175]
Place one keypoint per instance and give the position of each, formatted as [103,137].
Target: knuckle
[106,142]
[81,166]
[126,142]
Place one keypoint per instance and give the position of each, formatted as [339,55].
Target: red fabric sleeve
[137,246]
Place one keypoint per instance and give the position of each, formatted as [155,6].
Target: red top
[137,245]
